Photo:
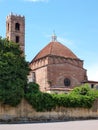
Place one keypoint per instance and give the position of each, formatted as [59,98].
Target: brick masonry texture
[54,63]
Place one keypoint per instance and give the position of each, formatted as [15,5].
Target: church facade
[55,68]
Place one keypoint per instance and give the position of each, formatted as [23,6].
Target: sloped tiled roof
[56,49]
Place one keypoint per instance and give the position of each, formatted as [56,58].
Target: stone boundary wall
[25,113]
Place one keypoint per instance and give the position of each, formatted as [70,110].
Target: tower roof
[55,48]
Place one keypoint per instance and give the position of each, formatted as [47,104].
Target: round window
[67,82]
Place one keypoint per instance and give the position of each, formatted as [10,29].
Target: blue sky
[75,23]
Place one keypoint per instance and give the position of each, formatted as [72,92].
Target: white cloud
[65,41]
[92,71]
[37,0]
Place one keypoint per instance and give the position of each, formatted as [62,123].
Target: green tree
[13,73]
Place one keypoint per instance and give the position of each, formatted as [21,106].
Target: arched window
[17,39]
[67,82]
[17,26]
[8,27]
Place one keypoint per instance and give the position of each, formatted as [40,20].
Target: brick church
[55,68]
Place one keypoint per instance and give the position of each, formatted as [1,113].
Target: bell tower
[15,29]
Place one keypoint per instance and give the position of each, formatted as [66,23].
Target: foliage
[85,90]
[13,73]
[93,93]
[82,90]
[11,96]
[32,87]
[40,101]
[80,97]
[73,100]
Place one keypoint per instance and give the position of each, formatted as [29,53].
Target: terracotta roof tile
[57,49]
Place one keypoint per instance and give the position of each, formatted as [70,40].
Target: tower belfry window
[17,26]
[8,27]
[17,39]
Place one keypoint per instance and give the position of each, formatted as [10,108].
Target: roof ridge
[52,45]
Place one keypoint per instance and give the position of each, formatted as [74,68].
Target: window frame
[67,82]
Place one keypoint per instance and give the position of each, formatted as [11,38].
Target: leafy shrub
[32,87]
[82,90]
[73,100]
[46,102]
[40,101]
[13,73]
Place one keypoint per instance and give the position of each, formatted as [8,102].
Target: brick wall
[55,69]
